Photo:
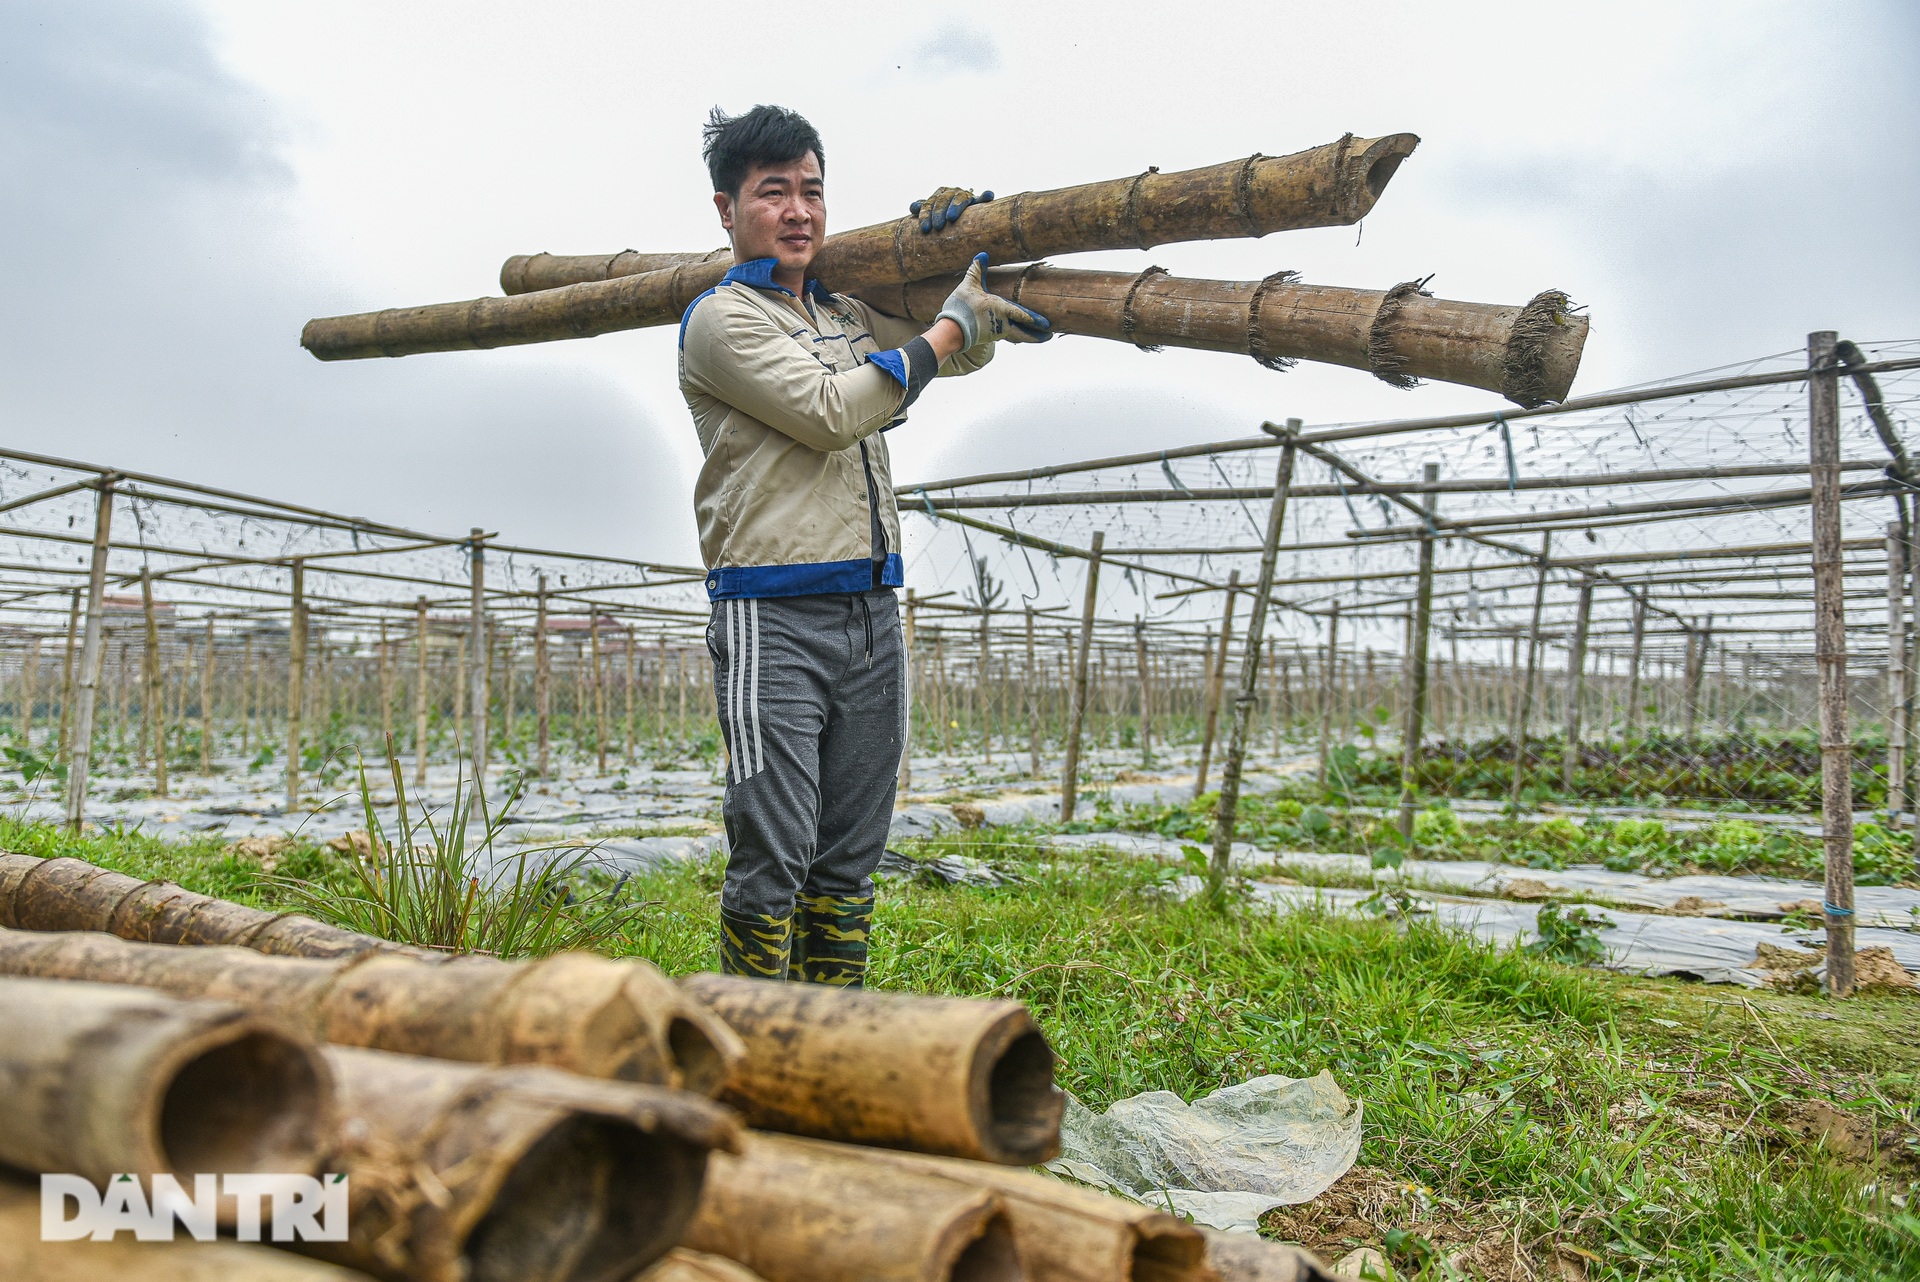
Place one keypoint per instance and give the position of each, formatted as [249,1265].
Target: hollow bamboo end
[1017,1108]
[1374,164]
[245,1098]
[990,1256]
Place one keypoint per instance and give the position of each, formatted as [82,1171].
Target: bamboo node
[1386,363]
[1127,318]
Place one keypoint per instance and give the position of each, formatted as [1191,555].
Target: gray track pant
[812,701]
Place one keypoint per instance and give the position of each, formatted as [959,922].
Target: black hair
[734,145]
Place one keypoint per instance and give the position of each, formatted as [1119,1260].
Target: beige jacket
[789,397]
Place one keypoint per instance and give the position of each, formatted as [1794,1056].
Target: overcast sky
[186,183]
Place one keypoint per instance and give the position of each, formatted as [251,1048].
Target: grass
[1517,1111]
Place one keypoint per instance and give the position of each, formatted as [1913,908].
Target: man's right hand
[984,316]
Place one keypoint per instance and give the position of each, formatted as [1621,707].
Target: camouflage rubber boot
[836,940]
[754,945]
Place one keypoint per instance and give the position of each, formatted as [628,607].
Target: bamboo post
[1035,707]
[633,676]
[386,686]
[206,702]
[906,746]
[543,681]
[1576,684]
[66,670]
[29,678]
[1226,814]
[1896,672]
[660,692]
[680,684]
[1633,663]
[1327,675]
[296,680]
[1420,622]
[246,693]
[156,685]
[599,694]
[460,685]
[1216,684]
[1523,711]
[420,693]
[1077,710]
[940,692]
[1830,653]
[1145,676]
[477,629]
[982,698]
[81,747]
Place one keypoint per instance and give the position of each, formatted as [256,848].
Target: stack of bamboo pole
[1528,353]
[503,1120]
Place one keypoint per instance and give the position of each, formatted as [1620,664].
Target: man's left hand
[945,206]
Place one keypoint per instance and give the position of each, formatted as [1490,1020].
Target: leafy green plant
[31,765]
[1570,934]
[418,887]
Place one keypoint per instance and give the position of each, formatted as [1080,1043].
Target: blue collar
[758,272]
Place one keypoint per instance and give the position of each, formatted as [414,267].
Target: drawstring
[866,612]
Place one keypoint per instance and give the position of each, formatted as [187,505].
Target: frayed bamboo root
[1242,1257]
[1529,354]
[935,1074]
[99,1080]
[600,1018]
[71,894]
[463,1173]
[1071,1234]
[682,1265]
[1327,186]
[804,1211]
[24,1257]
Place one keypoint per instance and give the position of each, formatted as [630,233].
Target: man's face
[781,213]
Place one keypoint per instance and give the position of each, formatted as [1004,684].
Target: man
[790,388]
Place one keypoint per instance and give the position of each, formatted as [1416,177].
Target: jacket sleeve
[892,331]
[739,355]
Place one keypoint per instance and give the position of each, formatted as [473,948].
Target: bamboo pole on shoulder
[1226,813]
[1576,684]
[1077,709]
[296,680]
[1216,680]
[93,649]
[1830,651]
[1420,632]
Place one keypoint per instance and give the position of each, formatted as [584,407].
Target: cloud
[957,48]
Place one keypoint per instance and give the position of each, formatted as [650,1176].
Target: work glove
[944,207]
[981,315]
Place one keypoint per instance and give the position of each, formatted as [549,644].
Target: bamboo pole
[1144,675]
[797,1210]
[1077,711]
[92,649]
[206,702]
[599,695]
[246,693]
[1634,662]
[982,695]
[386,685]
[543,682]
[105,1080]
[66,670]
[477,628]
[296,680]
[539,1174]
[827,1062]
[1576,685]
[1420,625]
[1332,185]
[1226,814]
[1830,643]
[1328,674]
[1896,672]
[633,677]
[1034,704]
[1523,710]
[420,693]
[156,686]
[459,695]
[621,1020]
[29,678]
[1216,684]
